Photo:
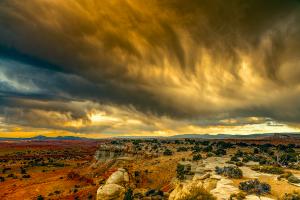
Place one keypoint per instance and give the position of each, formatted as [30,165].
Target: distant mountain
[41,138]
[182,136]
[227,136]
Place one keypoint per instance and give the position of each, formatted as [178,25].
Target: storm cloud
[166,65]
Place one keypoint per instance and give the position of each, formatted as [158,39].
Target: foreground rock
[115,186]
[111,192]
[183,189]
[119,177]
[224,189]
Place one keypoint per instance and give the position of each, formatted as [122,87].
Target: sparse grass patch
[197,193]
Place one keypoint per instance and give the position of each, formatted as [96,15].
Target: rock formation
[115,186]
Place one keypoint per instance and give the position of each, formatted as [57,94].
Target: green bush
[231,172]
[128,194]
[208,148]
[288,158]
[220,152]
[182,149]
[197,157]
[209,154]
[234,159]
[40,197]
[239,164]
[168,152]
[293,179]
[196,149]
[255,187]
[180,171]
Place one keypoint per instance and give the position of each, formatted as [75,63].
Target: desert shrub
[23,171]
[182,149]
[255,151]
[288,158]
[231,172]
[239,164]
[245,160]
[265,147]
[180,171]
[73,175]
[263,161]
[2,179]
[243,144]
[234,159]
[168,152]
[204,142]
[40,197]
[292,196]
[209,154]
[196,149]
[224,145]
[237,196]
[6,169]
[239,153]
[198,193]
[220,152]
[90,196]
[208,148]
[285,175]
[293,179]
[197,157]
[268,169]
[255,187]
[26,176]
[128,194]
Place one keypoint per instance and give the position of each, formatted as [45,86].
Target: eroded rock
[110,192]
[115,186]
[224,189]
[119,177]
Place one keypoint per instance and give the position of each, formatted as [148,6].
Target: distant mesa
[41,138]
[270,136]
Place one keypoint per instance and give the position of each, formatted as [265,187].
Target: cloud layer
[220,65]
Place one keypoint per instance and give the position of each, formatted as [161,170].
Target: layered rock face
[109,152]
[115,186]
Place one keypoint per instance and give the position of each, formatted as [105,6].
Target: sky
[108,68]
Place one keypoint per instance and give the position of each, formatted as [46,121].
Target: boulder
[110,192]
[183,189]
[114,188]
[119,177]
[224,189]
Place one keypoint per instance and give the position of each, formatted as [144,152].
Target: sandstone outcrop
[115,186]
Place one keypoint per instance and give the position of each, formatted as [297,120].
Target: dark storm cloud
[201,60]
